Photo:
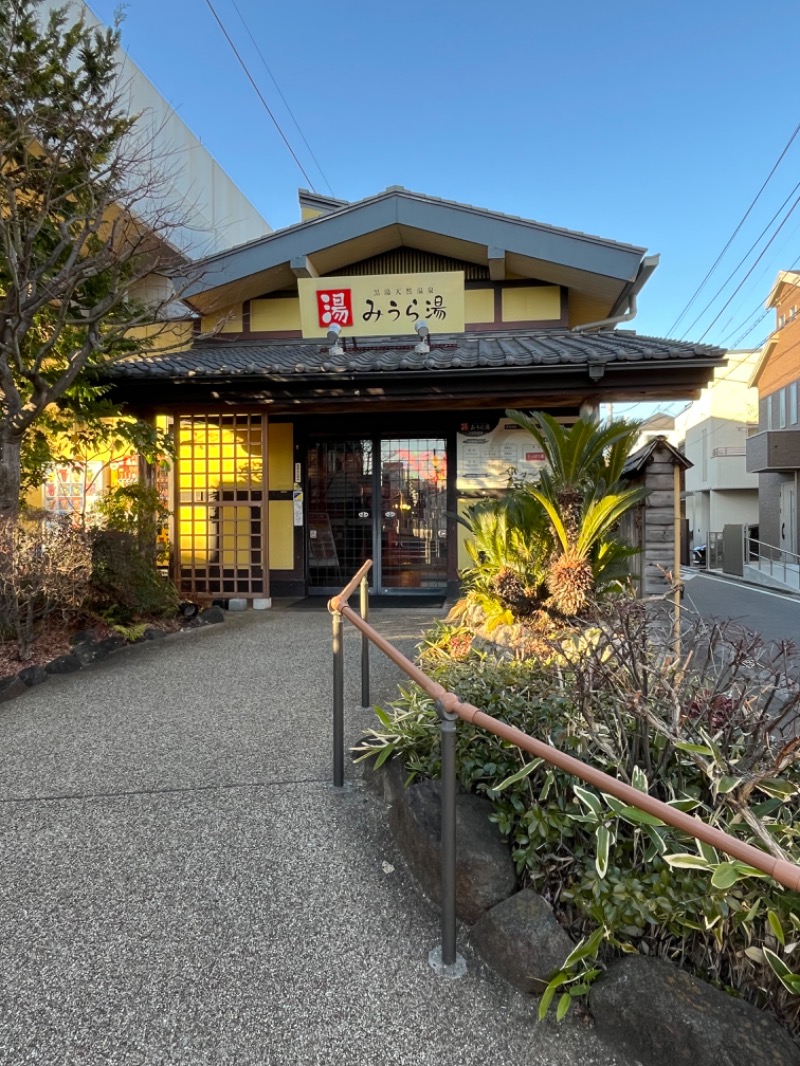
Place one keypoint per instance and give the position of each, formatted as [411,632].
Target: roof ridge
[401,191]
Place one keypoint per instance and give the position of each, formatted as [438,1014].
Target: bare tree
[85,220]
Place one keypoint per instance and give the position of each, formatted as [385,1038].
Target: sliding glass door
[377,498]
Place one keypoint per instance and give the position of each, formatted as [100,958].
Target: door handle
[783,531]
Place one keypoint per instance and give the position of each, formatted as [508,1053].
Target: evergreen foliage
[83,221]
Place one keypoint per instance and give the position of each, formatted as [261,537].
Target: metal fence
[450,711]
[714,551]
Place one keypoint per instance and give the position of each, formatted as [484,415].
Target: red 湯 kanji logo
[335,306]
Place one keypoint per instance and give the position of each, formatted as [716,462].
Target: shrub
[126,554]
[45,567]
[126,583]
[711,732]
[139,511]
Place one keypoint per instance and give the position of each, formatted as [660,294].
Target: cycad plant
[509,546]
[584,499]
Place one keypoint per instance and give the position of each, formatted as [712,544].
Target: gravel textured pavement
[181,884]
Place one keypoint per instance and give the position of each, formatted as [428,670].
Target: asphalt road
[773,615]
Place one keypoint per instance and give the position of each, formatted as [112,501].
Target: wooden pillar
[676,572]
[265,561]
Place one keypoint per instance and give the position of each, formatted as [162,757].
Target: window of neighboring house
[768,402]
[781,321]
[793,312]
[782,408]
[793,404]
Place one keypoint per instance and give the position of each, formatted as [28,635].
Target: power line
[758,310]
[747,332]
[742,221]
[752,248]
[752,268]
[264,103]
[283,98]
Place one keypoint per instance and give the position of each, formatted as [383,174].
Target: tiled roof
[636,462]
[454,352]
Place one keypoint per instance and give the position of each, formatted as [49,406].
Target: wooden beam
[302,267]
[497,264]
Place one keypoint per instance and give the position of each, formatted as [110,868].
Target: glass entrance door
[413,482]
[404,532]
[340,518]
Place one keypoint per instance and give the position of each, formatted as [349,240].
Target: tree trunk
[9,475]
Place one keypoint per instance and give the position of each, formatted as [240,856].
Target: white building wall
[739,508]
[713,431]
[698,515]
[214,214]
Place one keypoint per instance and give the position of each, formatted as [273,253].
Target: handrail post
[444,959]
[364,643]
[338,700]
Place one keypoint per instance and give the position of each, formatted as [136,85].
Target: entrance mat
[320,603]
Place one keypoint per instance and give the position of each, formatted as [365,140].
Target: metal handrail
[450,707]
[337,605]
[786,559]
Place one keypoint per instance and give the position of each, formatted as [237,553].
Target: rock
[211,616]
[64,664]
[33,675]
[83,636]
[152,633]
[10,687]
[388,781]
[484,870]
[109,644]
[522,941]
[663,1016]
[85,653]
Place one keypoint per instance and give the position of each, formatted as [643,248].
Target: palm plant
[582,496]
[510,542]
[584,556]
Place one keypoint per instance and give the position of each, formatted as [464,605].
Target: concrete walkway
[179,882]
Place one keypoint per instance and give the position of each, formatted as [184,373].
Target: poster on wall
[487,455]
[72,488]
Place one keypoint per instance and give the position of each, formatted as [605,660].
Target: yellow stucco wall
[280,456]
[537,303]
[585,309]
[534,303]
[277,315]
[280,464]
[228,320]
[165,336]
[281,535]
[479,305]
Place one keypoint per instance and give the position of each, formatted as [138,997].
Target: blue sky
[652,123]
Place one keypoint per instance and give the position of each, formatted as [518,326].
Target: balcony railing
[732,450]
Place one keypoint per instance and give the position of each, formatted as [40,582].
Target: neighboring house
[345,392]
[774,451]
[213,215]
[658,425]
[712,434]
